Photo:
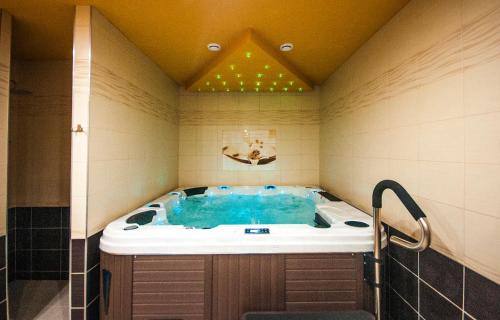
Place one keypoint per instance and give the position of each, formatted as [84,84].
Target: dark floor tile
[11,218]
[45,275]
[434,307]
[65,217]
[93,284]
[77,290]
[404,282]
[46,217]
[77,314]
[3,311]
[46,239]
[443,274]
[23,218]
[481,296]
[23,239]
[466,317]
[399,309]
[23,275]
[407,257]
[23,260]
[93,253]
[46,260]
[93,310]
[78,255]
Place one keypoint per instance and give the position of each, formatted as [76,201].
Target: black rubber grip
[402,194]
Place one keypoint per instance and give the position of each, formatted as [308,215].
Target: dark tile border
[93,277]
[408,258]
[38,243]
[78,255]
[93,252]
[433,306]
[77,290]
[443,274]
[77,314]
[400,309]
[442,286]
[481,296]
[93,310]
[404,282]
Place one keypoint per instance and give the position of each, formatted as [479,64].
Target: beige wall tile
[134,134]
[475,9]
[442,141]
[418,103]
[482,241]
[294,117]
[441,99]
[404,109]
[482,138]
[447,223]
[41,150]
[5,57]
[482,188]
[479,95]
[403,143]
[80,116]
[442,182]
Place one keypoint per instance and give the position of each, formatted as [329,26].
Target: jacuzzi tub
[153,269]
[159,237]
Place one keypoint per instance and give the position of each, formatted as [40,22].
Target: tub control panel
[256,230]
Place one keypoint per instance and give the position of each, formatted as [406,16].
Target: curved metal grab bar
[418,215]
[412,207]
[422,244]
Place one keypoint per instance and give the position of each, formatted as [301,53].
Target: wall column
[79,160]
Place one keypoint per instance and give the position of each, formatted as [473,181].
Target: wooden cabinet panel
[323,282]
[120,293]
[223,287]
[172,287]
[244,283]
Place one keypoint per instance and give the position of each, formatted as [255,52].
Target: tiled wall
[128,111]
[85,270]
[133,134]
[5,39]
[433,286]
[39,133]
[419,103]
[203,118]
[38,245]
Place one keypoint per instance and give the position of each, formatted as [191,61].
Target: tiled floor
[41,300]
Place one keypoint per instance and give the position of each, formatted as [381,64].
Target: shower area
[38,221]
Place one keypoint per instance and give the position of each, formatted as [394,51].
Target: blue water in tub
[211,211]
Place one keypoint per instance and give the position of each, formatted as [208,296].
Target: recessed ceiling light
[214,47]
[286,47]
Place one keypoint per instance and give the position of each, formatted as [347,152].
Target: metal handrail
[415,211]
[420,245]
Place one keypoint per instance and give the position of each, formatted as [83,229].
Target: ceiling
[249,64]
[174,33]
